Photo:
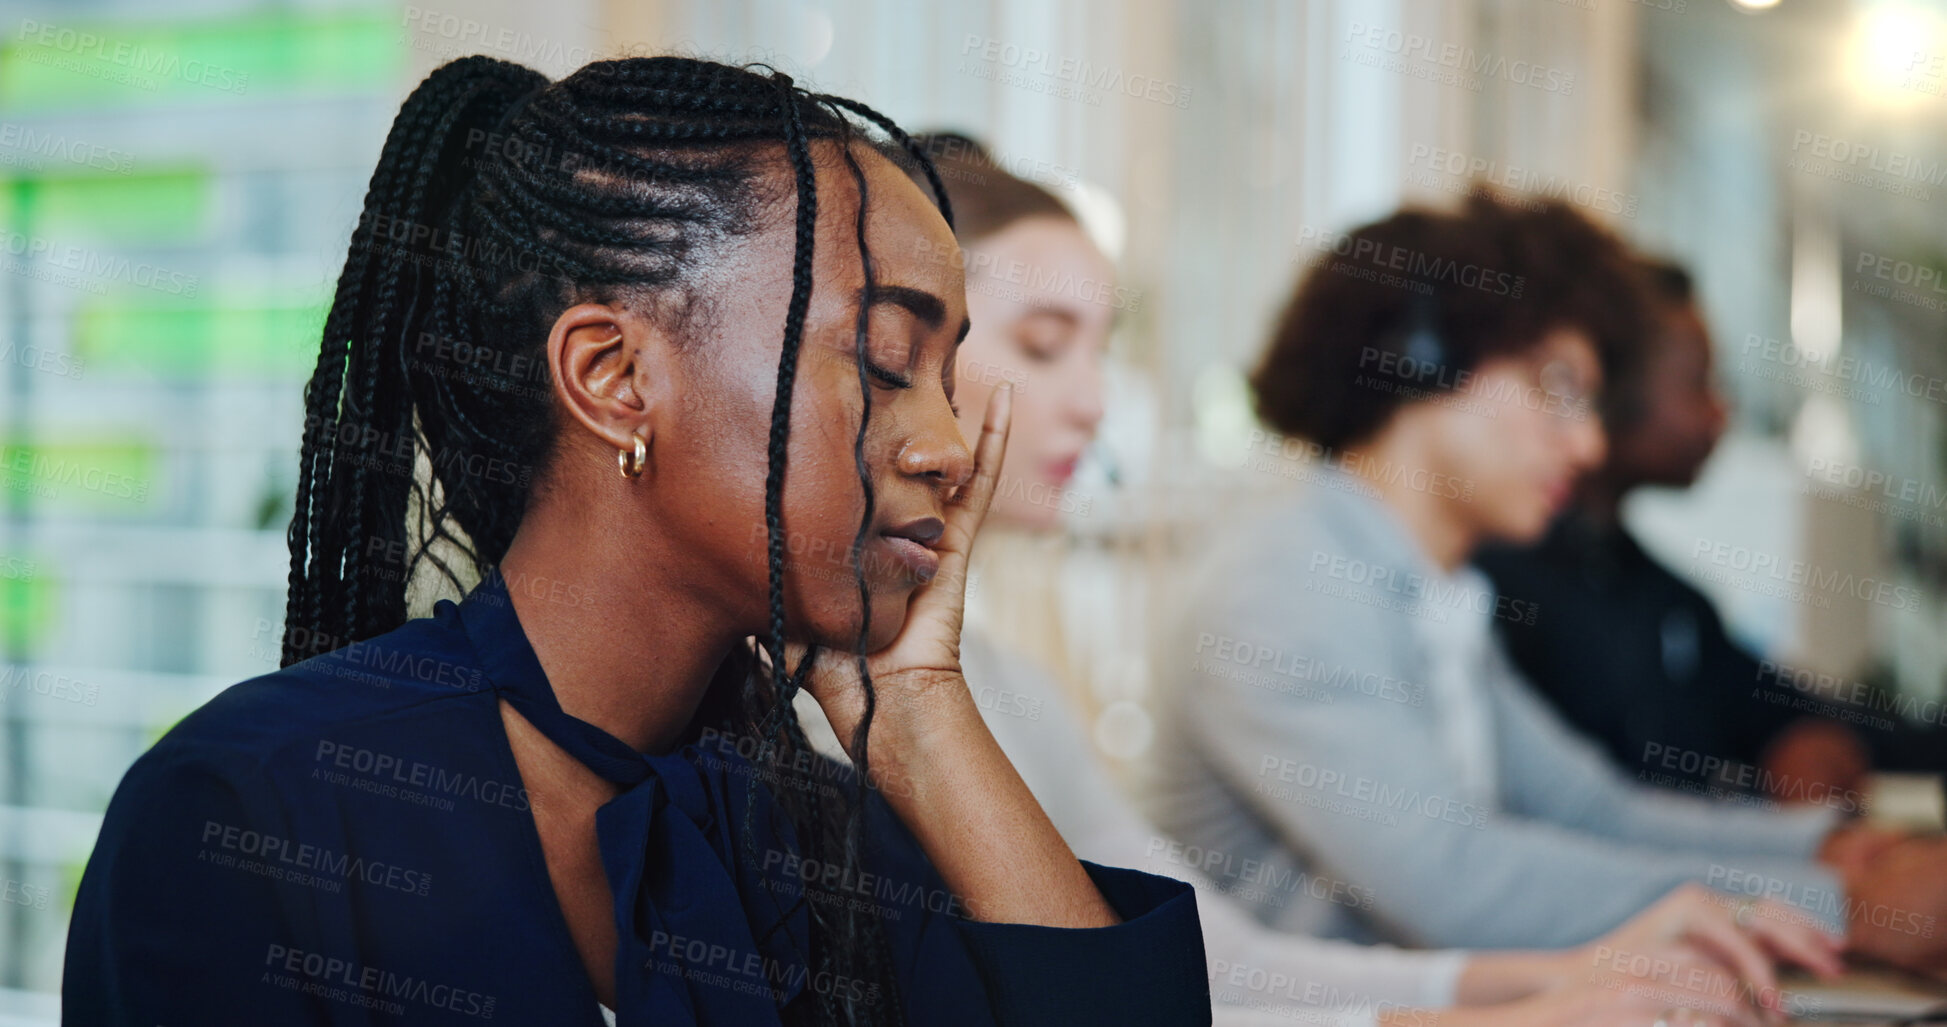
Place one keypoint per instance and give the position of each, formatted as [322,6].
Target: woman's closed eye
[1044,335]
[1043,344]
[895,380]
[891,379]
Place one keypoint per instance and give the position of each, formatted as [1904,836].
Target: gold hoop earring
[630,464]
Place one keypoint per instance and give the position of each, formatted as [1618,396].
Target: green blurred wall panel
[113,475]
[54,63]
[27,605]
[221,336]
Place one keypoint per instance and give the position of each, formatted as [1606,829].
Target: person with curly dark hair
[1338,703]
[647,359]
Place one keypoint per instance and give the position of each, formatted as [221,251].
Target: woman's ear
[610,370]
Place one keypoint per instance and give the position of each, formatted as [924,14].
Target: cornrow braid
[787,370]
[855,838]
[910,146]
[499,200]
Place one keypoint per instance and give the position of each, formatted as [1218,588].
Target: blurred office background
[179,181]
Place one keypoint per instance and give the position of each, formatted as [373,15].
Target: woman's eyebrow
[1061,314]
[928,308]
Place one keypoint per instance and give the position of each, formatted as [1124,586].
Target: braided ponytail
[352,409]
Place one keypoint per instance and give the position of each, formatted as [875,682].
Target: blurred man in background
[1635,657]
[1338,701]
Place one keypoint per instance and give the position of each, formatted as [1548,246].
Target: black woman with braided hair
[653,365]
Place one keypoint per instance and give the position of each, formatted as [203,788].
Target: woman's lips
[1062,470]
[922,562]
[912,544]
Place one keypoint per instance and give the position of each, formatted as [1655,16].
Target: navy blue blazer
[347,841]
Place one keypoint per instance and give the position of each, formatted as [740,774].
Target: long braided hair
[499,200]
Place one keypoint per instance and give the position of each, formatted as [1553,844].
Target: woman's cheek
[971,393]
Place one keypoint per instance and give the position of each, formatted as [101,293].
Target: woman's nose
[936,450]
[1085,402]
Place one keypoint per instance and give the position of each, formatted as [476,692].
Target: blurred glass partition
[177,190]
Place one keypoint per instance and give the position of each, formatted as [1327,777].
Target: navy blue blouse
[347,841]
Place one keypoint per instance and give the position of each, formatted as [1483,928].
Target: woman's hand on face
[932,757]
[918,675]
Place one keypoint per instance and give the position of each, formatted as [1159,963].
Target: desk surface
[1865,995]
[1910,801]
